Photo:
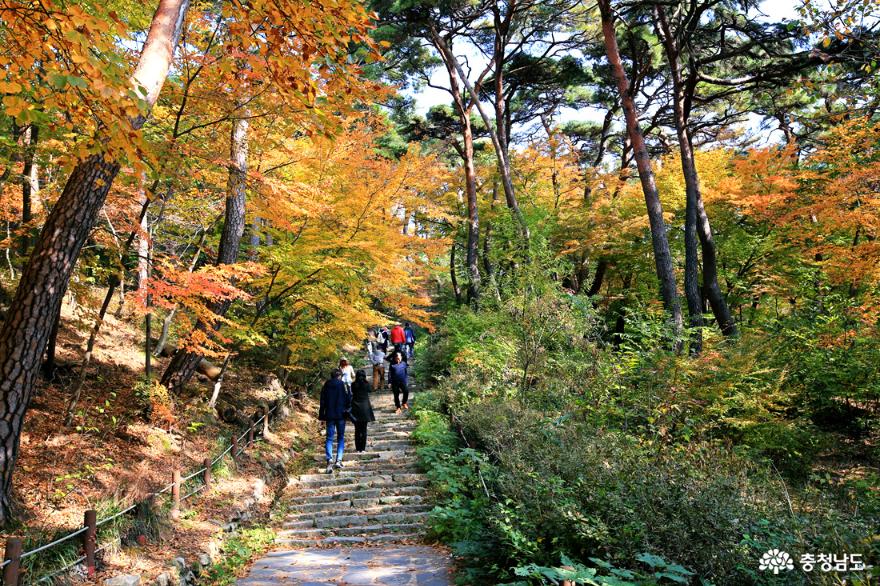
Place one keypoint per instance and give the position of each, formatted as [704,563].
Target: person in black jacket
[398,373]
[361,409]
[334,409]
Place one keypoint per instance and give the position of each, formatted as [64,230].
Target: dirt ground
[112,456]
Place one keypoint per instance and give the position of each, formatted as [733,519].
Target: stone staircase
[379,496]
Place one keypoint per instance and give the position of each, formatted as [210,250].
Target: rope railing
[11,564]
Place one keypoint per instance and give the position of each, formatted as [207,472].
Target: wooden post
[207,474]
[251,434]
[90,540]
[265,409]
[234,446]
[12,570]
[175,494]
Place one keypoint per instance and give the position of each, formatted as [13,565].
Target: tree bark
[691,259]
[473,228]
[598,277]
[455,288]
[700,220]
[185,362]
[470,182]
[659,241]
[501,156]
[27,176]
[26,330]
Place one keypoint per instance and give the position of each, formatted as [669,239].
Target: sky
[427,97]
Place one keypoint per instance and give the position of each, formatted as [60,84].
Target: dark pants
[360,436]
[398,387]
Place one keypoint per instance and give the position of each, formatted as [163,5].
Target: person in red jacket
[398,336]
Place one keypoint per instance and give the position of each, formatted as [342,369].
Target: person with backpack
[399,375]
[409,336]
[377,359]
[361,410]
[334,409]
[382,335]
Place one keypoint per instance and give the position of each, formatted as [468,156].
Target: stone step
[365,492]
[295,519]
[330,480]
[358,502]
[315,532]
[358,540]
[364,485]
[363,519]
[388,454]
[353,472]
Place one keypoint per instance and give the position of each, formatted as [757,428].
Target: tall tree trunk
[38,298]
[598,277]
[473,228]
[452,276]
[32,135]
[185,362]
[503,163]
[659,241]
[700,220]
[691,258]
[470,181]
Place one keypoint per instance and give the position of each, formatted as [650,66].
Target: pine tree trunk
[452,276]
[27,176]
[38,299]
[185,362]
[659,241]
[700,220]
[691,254]
[473,228]
[501,156]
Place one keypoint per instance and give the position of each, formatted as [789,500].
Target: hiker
[398,373]
[398,338]
[409,336]
[335,407]
[377,359]
[382,336]
[361,410]
[347,373]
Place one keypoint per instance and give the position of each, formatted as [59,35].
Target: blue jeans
[338,428]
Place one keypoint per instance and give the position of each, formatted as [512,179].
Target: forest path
[364,523]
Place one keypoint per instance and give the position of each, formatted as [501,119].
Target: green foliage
[580,448]
[237,552]
[606,574]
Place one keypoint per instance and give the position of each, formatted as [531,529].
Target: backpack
[380,337]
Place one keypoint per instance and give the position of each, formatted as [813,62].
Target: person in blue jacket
[334,409]
[398,373]
[410,337]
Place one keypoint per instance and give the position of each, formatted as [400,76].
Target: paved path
[362,524]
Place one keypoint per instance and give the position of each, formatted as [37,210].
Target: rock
[180,564]
[259,489]
[123,580]
[204,560]
[163,579]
